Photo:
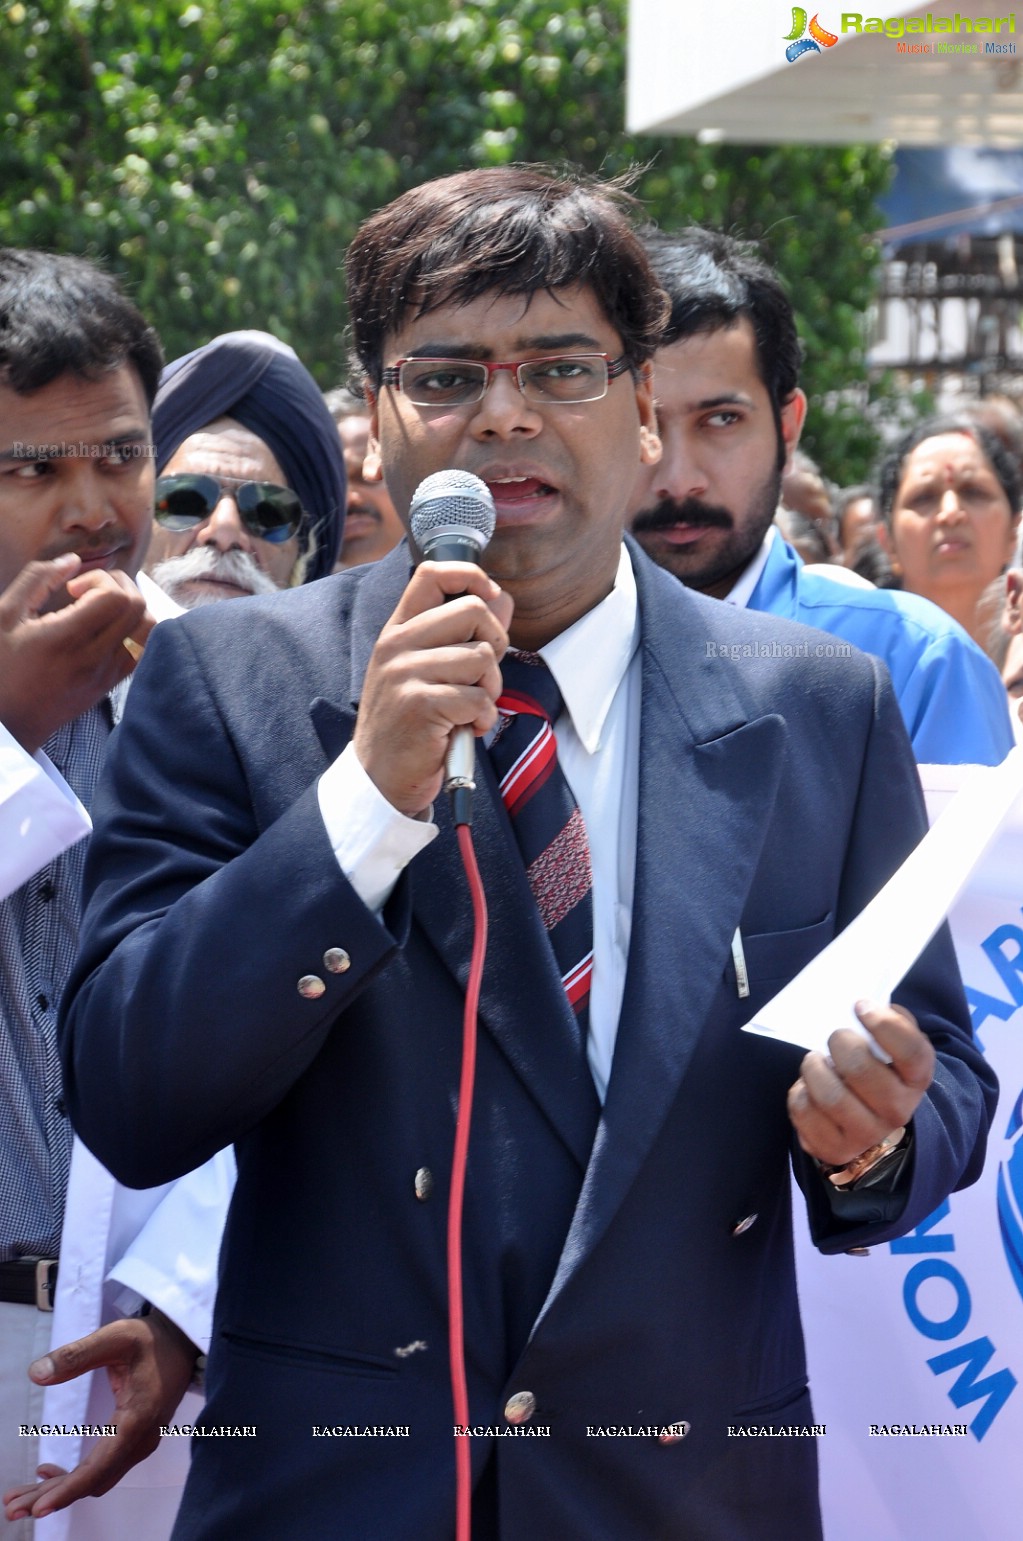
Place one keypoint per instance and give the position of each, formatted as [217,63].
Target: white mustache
[235,567]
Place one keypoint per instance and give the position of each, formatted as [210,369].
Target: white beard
[177,575]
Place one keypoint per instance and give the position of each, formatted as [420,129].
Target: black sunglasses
[270,512]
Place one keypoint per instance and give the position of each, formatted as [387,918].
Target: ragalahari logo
[799,43]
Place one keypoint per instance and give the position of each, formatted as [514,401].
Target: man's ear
[372,465]
[793,416]
[649,438]
[1012,619]
[649,446]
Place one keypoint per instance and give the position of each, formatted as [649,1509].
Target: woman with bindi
[950,498]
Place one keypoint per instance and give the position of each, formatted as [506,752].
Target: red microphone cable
[451,519]
[456,1324]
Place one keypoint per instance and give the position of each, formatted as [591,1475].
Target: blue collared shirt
[953,702]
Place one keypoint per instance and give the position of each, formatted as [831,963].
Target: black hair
[870,560]
[61,314]
[990,611]
[853,494]
[1002,463]
[714,281]
[510,230]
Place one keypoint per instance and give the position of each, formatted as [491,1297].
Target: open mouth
[520,494]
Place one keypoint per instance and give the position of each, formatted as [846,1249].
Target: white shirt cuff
[372,841]
[171,1259]
[40,816]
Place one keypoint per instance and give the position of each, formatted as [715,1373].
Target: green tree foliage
[220,156]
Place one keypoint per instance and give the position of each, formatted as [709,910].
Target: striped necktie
[546,819]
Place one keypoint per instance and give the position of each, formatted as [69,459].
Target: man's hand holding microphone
[435,668]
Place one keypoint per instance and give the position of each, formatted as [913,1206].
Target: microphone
[452,518]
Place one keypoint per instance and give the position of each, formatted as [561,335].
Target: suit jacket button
[742,1226]
[336,960]
[311,987]
[673,1432]
[521,1407]
[424,1183]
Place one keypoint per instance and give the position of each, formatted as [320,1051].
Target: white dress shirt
[597,667]
[40,816]
[741,592]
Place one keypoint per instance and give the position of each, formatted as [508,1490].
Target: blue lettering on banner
[1009,968]
[921,1240]
[1010,1196]
[1003,949]
[994,1391]
[950,1326]
[983,1006]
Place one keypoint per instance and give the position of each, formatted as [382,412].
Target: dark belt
[29,1281]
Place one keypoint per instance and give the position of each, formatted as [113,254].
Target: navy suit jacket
[612,1267]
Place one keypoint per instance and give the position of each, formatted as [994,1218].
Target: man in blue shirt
[729,414]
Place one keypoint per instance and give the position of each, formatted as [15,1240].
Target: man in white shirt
[78,371]
[78,368]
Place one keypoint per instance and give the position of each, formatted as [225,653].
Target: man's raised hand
[57,663]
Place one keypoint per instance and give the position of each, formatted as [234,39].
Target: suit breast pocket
[772,958]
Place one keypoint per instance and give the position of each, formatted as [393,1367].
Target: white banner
[916,1351]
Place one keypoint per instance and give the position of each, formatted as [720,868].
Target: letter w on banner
[926,1333]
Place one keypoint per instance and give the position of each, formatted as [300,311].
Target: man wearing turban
[250,493]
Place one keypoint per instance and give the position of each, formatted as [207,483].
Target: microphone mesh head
[452,502]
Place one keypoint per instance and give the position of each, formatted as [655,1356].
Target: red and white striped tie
[546,819]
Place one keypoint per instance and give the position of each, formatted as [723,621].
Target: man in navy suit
[278,938]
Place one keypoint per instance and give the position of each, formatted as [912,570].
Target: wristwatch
[874,1165]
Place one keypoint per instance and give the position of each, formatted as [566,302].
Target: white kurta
[120,1244]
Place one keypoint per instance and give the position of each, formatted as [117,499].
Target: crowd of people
[226,1163]
[941,520]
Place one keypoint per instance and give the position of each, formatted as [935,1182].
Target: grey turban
[260,382]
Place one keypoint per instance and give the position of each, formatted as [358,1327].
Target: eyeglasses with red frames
[563,379]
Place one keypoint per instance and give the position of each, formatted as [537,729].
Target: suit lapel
[522,1003]
[708,778]
[365,610]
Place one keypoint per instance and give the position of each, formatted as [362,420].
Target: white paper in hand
[869,958]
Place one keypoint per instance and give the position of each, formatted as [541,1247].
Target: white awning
[720,72]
